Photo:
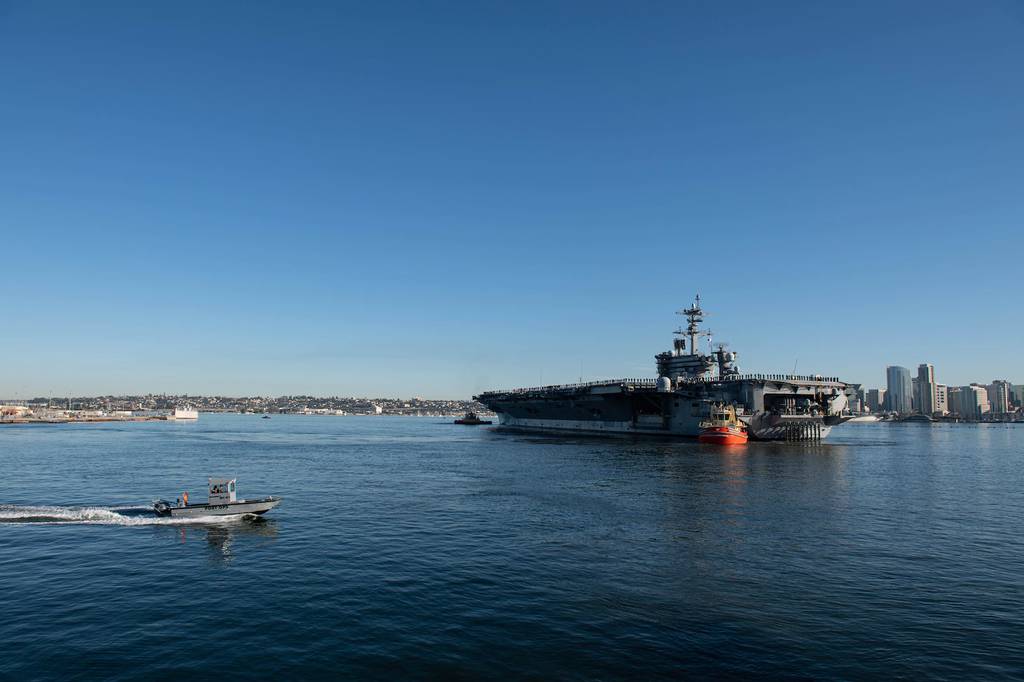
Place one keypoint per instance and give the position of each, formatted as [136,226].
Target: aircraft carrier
[689,383]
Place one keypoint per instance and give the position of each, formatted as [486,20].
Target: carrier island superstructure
[689,384]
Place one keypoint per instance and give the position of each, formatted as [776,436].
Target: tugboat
[221,501]
[472,420]
[722,427]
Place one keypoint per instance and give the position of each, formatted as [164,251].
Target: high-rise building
[941,399]
[1017,393]
[925,389]
[974,401]
[857,399]
[999,396]
[953,402]
[876,399]
[899,396]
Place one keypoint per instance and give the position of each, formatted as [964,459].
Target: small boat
[472,420]
[221,501]
[266,416]
[721,427]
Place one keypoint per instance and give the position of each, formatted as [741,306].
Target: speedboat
[221,501]
[722,427]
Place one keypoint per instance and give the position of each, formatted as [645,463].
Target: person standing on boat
[184,497]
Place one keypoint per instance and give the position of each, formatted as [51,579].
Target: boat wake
[103,516]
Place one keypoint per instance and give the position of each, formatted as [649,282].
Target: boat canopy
[222,490]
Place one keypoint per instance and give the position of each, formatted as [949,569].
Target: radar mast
[694,316]
[679,363]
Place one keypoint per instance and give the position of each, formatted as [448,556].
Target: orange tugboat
[722,427]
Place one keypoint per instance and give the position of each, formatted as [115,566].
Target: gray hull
[760,427]
[194,511]
[783,408]
[689,384]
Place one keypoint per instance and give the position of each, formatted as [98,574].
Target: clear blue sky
[438,198]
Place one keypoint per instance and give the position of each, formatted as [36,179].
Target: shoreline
[84,420]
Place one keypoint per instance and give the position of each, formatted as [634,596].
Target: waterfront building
[899,395]
[925,389]
[941,399]
[1017,394]
[876,399]
[974,401]
[999,396]
[953,402]
[858,402]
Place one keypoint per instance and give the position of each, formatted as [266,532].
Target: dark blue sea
[412,548]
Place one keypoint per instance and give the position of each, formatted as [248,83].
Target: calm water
[415,548]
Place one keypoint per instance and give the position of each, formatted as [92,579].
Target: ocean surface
[414,548]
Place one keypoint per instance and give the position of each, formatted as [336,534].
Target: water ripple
[412,548]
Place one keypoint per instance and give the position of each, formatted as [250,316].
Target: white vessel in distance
[184,413]
[221,501]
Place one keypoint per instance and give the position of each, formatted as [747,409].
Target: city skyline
[875,398]
[228,200]
[924,394]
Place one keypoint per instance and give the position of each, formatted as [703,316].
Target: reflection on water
[735,468]
[225,539]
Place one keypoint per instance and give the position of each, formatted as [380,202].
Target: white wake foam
[99,516]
